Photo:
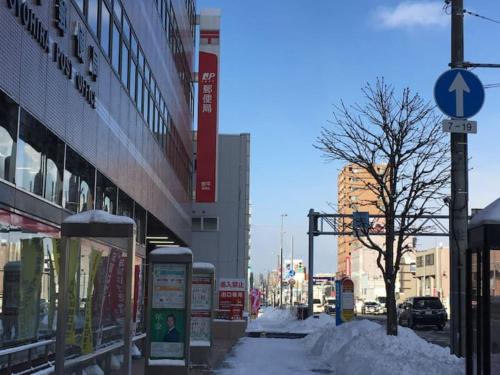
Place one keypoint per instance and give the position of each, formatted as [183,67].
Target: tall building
[221,229]
[353,195]
[96,112]
[432,276]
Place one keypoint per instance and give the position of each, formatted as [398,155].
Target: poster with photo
[201,299]
[168,333]
[169,286]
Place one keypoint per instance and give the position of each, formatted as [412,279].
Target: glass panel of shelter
[495,311]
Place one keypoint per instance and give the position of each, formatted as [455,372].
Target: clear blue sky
[285,63]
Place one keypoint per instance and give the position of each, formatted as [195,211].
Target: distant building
[353,195]
[432,276]
[221,230]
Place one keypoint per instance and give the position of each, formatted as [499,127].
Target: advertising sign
[255,301]
[168,314]
[201,307]
[208,79]
[232,297]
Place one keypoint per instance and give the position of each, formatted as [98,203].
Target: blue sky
[285,63]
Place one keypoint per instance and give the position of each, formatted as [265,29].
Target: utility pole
[281,261]
[459,200]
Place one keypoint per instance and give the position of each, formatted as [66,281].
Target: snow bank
[271,313]
[362,347]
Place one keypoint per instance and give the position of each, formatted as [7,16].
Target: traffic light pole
[310,265]
[459,200]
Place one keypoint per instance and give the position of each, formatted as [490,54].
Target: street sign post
[459,93]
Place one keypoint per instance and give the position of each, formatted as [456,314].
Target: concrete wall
[228,247]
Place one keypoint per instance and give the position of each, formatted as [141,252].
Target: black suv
[424,311]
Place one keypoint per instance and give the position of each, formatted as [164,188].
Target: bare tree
[399,143]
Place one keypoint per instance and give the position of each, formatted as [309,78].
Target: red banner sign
[208,77]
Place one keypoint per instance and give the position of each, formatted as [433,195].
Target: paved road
[430,334]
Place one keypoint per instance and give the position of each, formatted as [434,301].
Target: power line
[480,16]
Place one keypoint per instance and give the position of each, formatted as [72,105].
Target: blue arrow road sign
[459,93]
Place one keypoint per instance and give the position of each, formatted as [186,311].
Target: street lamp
[281,261]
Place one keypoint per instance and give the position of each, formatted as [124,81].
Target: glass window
[106,194]
[196,224]
[29,167]
[116,48]
[210,223]
[151,113]
[140,221]
[53,159]
[79,4]
[117,9]
[124,66]
[9,112]
[79,179]
[145,103]
[146,74]
[132,79]
[92,13]
[28,283]
[125,205]
[126,28]
[105,28]
[133,45]
[29,163]
[139,93]
[141,60]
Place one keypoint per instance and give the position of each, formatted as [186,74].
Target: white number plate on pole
[459,126]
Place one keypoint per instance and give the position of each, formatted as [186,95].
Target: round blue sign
[459,93]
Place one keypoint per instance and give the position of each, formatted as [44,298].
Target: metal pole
[459,200]
[310,264]
[129,304]
[293,269]
[281,262]
[62,308]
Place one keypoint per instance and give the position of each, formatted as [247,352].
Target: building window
[429,260]
[126,29]
[9,114]
[140,222]
[124,65]
[133,76]
[92,14]
[40,156]
[105,28]
[210,224]
[116,48]
[106,194]
[140,108]
[196,224]
[420,262]
[80,5]
[117,9]
[125,205]
[78,184]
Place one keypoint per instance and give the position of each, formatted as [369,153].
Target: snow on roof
[167,362]
[97,216]
[203,266]
[488,215]
[173,250]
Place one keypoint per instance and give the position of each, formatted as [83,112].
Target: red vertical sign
[208,78]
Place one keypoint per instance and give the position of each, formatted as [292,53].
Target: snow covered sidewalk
[359,347]
[284,321]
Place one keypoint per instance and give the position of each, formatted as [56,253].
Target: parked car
[330,306]
[423,311]
[317,306]
[370,307]
[382,303]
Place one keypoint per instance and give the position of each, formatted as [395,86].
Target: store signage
[232,298]
[208,78]
[344,305]
[29,19]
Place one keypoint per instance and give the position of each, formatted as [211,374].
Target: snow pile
[271,313]
[361,347]
[313,324]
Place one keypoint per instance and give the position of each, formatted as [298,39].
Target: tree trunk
[390,303]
